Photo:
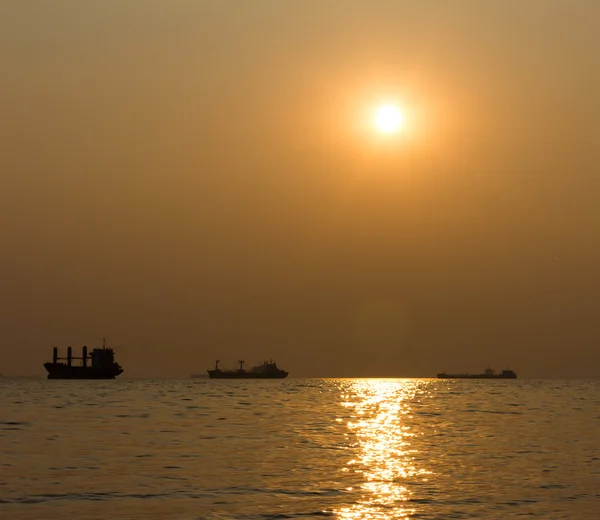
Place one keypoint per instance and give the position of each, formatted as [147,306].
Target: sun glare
[389,119]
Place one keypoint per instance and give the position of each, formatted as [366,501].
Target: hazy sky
[202,179]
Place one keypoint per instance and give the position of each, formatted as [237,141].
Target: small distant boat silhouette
[488,373]
[102,364]
[265,370]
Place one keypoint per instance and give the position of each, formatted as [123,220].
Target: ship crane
[70,357]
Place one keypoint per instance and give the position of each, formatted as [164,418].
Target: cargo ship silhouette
[100,364]
[488,373]
[266,370]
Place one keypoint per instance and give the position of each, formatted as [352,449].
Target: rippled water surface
[347,449]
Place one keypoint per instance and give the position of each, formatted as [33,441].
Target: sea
[299,449]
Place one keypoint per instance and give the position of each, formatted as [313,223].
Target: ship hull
[475,376]
[62,371]
[222,374]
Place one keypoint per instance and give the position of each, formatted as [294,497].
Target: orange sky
[197,180]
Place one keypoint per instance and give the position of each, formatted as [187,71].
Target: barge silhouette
[488,373]
[266,370]
[100,364]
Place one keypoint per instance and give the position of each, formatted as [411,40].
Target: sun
[389,119]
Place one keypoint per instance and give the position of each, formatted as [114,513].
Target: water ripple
[346,449]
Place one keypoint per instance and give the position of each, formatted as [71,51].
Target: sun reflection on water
[381,425]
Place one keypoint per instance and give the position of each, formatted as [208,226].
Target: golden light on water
[381,425]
